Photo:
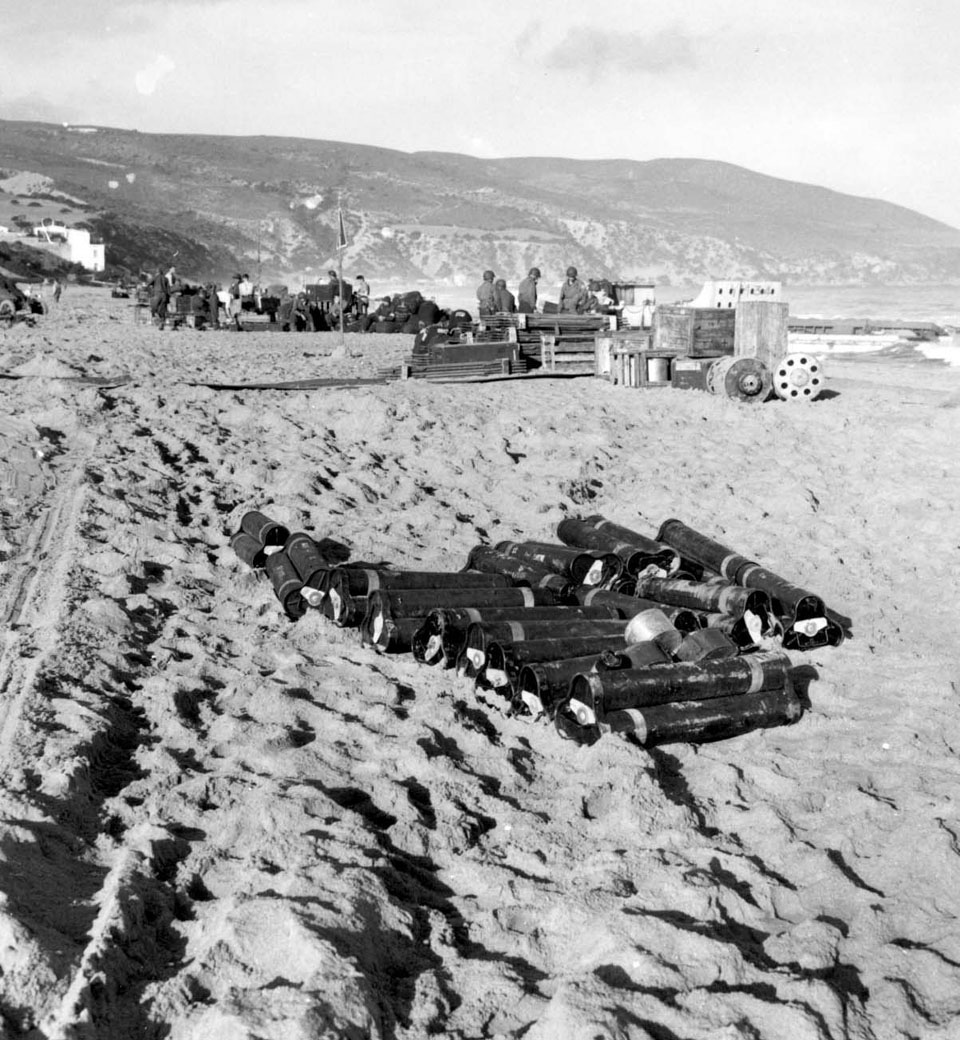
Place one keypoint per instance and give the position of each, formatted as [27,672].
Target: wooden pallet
[414,367]
[632,368]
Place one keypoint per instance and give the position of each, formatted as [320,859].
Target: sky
[855,95]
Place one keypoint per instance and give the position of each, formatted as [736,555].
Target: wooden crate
[690,373]
[761,331]
[698,331]
[635,366]
[607,343]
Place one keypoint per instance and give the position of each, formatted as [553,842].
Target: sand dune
[218,823]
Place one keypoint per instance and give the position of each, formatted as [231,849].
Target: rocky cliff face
[216,204]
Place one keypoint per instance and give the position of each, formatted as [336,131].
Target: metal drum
[798,377]
[745,379]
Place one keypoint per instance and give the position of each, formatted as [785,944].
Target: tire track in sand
[30,607]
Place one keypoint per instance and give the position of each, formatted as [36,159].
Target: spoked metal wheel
[744,379]
[798,377]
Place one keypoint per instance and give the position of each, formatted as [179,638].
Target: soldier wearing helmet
[527,292]
[573,293]
[487,294]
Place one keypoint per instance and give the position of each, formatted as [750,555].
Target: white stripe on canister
[373,581]
[742,578]
[516,630]
[528,597]
[756,673]
[726,562]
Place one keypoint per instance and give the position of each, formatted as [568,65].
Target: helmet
[488,276]
[501,283]
[534,272]
[571,272]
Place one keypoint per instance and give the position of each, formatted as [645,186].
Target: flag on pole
[342,236]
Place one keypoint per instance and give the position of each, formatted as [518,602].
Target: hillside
[212,204]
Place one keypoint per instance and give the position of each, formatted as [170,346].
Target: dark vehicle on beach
[15,304]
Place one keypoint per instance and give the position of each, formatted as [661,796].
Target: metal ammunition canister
[441,637]
[505,660]
[639,553]
[541,686]
[286,584]
[392,635]
[654,625]
[634,655]
[266,531]
[385,604]
[340,605]
[698,722]
[705,596]
[806,620]
[593,696]
[593,567]
[701,549]
[706,644]
[361,581]
[489,560]
[312,566]
[248,550]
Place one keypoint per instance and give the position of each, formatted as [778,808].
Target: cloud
[148,79]
[598,51]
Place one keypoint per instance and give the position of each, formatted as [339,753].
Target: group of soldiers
[575,297]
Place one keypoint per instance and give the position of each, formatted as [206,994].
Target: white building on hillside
[71,244]
[726,294]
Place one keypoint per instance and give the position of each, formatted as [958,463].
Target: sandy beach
[219,824]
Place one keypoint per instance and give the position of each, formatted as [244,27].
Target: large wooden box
[761,330]
[698,331]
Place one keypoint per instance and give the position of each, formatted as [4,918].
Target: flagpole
[341,243]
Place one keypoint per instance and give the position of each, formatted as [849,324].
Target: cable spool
[798,377]
[744,379]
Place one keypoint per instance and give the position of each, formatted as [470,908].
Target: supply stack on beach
[667,637]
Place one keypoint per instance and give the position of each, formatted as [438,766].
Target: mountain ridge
[222,203]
